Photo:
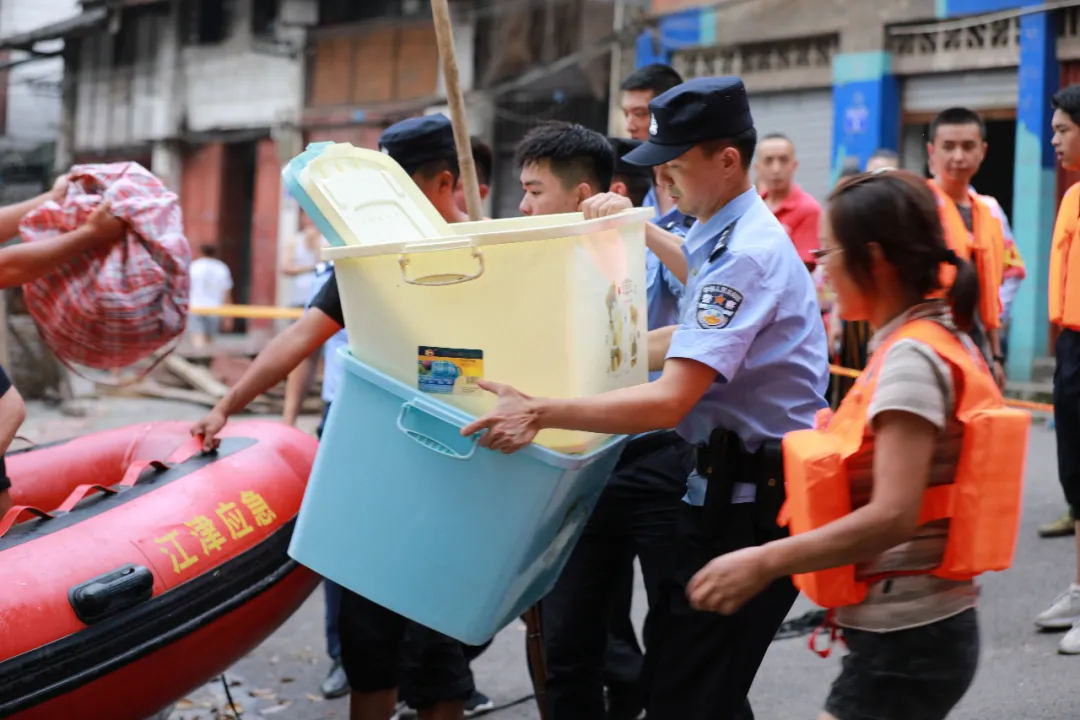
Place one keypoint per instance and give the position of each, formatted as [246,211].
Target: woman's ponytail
[964,293]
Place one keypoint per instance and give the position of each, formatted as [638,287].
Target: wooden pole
[444,34]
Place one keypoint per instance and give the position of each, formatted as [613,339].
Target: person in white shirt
[300,260]
[211,287]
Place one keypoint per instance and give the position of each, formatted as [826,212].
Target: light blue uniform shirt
[332,369]
[663,291]
[750,312]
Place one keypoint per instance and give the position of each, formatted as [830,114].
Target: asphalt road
[1021,675]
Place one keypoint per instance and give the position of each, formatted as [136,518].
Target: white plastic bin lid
[370,199]
[486,233]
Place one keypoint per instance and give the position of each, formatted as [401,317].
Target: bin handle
[441,279]
[427,441]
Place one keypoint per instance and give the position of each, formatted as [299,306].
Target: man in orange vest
[956,150]
[1064,306]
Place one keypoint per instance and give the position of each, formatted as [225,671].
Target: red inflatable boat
[134,568]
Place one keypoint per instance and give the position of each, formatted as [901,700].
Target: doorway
[237,199]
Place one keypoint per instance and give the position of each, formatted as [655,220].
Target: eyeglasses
[822,253]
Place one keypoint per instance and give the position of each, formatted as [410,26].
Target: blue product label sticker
[449,371]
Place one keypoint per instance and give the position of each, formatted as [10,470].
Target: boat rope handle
[78,494]
[137,468]
[187,450]
[16,515]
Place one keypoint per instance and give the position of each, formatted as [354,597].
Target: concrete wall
[859,24]
[235,85]
[33,110]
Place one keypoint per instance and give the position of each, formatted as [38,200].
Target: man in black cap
[746,364]
[424,148]
[380,650]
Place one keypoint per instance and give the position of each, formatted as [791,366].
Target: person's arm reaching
[321,322]
[280,357]
[26,262]
[713,344]
[659,342]
[12,215]
[667,246]
[903,454]
[659,405]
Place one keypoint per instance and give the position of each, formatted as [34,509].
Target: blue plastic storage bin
[290,175]
[404,511]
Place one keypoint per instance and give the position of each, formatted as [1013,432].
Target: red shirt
[800,214]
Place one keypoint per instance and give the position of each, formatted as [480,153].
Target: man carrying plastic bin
[375,642]
[588,636]
[747,364]
[336,684]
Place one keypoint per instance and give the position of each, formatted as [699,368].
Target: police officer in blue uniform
[746,364]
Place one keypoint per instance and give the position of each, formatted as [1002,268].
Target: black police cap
[621,147]
[419,140]
[702,109]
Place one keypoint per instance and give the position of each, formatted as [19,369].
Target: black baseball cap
[702,109]
[621,147]
[419,140]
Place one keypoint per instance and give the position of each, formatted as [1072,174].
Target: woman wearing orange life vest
[887,527]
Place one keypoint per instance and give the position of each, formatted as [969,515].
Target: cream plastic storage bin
[553,305]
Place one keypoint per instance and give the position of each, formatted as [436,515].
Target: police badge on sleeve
[717,305]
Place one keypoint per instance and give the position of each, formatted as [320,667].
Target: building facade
[511,60]
[843,79]
[29,99]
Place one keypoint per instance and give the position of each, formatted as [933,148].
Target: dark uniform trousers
[588,638]
[700,665]
[1067,415]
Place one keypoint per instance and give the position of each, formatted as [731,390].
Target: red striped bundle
[113,307]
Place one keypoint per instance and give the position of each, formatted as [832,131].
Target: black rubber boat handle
[112,593]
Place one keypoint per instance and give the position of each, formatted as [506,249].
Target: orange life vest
[985,246]
[983,502]
[1065,263]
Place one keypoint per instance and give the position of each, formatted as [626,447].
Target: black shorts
[381,650]
[916,674]
[1067,415]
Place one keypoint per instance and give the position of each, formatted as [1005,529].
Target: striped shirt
[914,379]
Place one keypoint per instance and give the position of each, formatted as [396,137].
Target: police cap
[703,109]
[622,146]
[419,140]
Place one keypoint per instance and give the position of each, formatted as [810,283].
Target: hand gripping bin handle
[427,413]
